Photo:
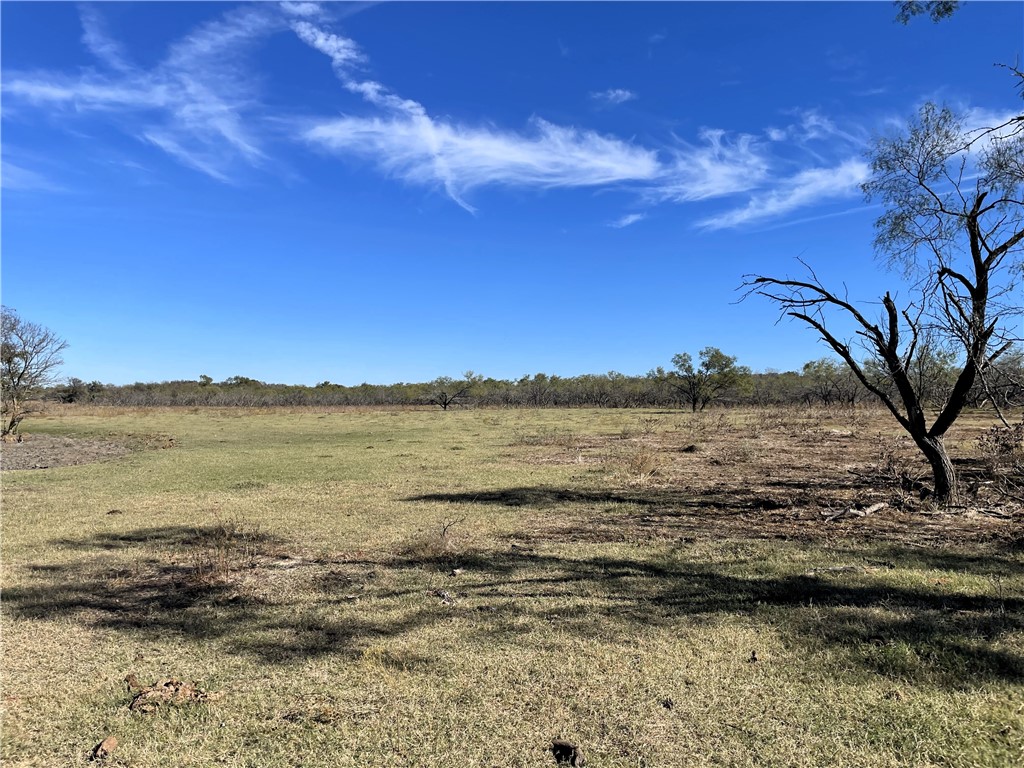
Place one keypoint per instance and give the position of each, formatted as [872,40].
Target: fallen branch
[852,512]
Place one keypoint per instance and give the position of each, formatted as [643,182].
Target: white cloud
[194,105]
[613,96]
[409,144]
[17,178]
[342,51]
[804,188]
[460,158]
[99,43]
[412,145]
[201,105]
[189,157]
[304,10]
[716,168]
[625,221]
[816,127]
[978,120]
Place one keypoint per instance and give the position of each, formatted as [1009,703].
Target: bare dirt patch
[46,452]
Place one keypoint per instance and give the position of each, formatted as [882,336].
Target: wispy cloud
[613,96]
[408,143]
[625,221]
[202,106]
[189,157]
[195,105]
[17,178]
[460,158]
[717,167]
[303,10]
[807,187]
[411,144]
[814,126]
[99,42]
[342,51]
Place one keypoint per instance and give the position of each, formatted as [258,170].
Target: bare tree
[29,357]
[954,221]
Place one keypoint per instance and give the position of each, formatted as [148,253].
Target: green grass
[301,563]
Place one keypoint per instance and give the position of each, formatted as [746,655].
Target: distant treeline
[824,381]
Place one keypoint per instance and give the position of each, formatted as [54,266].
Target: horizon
[356,192]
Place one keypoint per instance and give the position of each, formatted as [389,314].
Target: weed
[642,463]
[732,454]
[218,552]
[1002,452]
[438,545]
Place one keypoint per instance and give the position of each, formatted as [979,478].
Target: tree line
[715,378]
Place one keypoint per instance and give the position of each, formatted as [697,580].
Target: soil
[47,452]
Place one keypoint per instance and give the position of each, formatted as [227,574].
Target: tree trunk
[10,426]
[943,473]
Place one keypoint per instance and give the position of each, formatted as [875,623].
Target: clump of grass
[732,454]
[220,551]
[649,424]
[438,545]
[640,464]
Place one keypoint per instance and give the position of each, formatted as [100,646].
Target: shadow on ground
[242,589]
[777,509]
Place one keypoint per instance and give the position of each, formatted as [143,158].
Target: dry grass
[377,588]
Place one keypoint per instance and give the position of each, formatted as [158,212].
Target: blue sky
[397,191]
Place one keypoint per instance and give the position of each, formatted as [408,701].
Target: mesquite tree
[716,374]
[29,356]
[449,391]
[954,221]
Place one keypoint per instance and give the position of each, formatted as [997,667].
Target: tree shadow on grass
[146,584]
[920,632]
[777,510]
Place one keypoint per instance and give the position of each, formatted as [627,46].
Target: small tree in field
[954,220]
[716,374]
[29,357]
[449,391]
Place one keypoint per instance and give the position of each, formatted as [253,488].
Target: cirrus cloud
[613,96]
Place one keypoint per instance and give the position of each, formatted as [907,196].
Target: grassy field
[418,588]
